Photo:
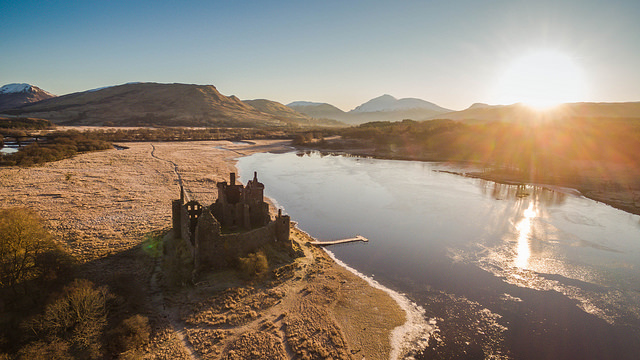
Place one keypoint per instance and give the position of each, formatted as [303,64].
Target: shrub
[254,265]
[55,349]
[131,334]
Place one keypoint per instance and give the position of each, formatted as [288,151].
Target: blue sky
[345,52]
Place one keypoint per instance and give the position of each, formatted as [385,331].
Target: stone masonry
[237,224]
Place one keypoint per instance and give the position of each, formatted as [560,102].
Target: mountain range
[154,104]
[382,108]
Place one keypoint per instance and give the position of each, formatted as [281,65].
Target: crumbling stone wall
[218,243]
[216,250]
[184,230]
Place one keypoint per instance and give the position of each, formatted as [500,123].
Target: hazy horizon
[453,54]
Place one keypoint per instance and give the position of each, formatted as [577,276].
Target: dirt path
[175,166]
[167,312]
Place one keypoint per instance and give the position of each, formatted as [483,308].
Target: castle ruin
[237,224]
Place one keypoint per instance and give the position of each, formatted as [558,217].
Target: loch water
[506,271]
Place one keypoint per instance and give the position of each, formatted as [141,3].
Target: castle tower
[254,198]
[282,227]
[254,191]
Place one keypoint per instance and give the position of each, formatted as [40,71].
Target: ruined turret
[282,227]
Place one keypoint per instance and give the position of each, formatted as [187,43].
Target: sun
[542,79]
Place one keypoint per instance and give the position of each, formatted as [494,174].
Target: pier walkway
[343,241]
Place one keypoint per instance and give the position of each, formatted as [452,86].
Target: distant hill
[388,103]
[275,108]
[523,113]
[319,110]
[618,110]
[15,95]
[149,104]
[287,114]
[382,108]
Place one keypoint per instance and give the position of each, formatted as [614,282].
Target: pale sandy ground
[102,204]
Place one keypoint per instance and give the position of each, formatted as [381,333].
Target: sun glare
[525,228]
[542,79]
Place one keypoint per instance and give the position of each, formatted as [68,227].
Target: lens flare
[542,79]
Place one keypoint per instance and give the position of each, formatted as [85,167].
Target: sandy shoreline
[411,336]
[103,205]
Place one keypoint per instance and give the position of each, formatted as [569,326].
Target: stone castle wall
[210,247]
[217,251]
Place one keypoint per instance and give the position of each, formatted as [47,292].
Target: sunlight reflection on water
[524,228]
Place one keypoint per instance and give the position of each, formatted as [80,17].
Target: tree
[76,317]
[22,239]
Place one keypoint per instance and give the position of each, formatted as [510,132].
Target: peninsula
[111,210]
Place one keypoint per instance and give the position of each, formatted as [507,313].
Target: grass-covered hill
[150,104]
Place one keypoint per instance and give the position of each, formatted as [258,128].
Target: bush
[254,265]
[131,334]
[50,350]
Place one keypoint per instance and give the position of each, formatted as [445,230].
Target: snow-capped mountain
[389,103]
[15,95]
[14,88]
[23,88]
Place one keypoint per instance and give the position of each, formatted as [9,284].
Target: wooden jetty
[343,241]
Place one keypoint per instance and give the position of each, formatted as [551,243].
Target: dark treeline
[25,123]
[536,150]
[58,145]
[190,134]
[202,134]
[55,146]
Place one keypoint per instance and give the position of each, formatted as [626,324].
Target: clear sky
[452,53]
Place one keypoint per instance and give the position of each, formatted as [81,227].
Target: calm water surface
[517,272]
[8,150]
